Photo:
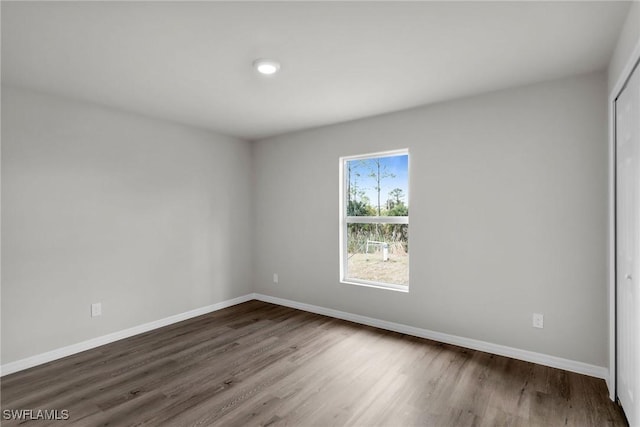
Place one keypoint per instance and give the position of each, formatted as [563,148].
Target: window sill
[397,288]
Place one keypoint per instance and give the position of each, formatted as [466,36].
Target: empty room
[319,213]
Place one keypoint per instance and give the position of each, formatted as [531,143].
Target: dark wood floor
[263,364]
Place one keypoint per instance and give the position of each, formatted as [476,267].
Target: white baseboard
[59,353]
[529,356]
[501,350]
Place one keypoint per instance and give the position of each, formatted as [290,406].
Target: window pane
[377,186]
[378,253]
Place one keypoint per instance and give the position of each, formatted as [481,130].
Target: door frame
[611,215]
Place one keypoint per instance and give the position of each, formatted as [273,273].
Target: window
[374,220]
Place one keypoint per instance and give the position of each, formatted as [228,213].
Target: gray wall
[508,217]
[150,218]
[628,40]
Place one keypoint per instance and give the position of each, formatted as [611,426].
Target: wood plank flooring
[263,364]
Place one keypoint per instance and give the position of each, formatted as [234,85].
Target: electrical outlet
[275,277]
[538,320]
[96,309]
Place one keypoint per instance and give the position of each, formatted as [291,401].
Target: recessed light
[266,66]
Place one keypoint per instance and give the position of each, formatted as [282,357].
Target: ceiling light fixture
[266,66]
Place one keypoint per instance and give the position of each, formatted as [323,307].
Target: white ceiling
[191,61]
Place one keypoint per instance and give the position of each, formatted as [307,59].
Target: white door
[628,248]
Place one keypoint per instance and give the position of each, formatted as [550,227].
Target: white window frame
[346,220]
